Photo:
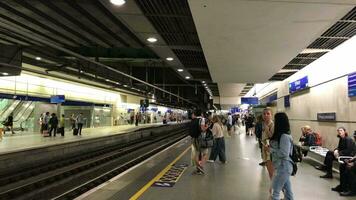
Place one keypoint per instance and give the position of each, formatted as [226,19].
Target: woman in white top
[219,142]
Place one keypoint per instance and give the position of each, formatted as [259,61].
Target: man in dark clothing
[345,148]
[53,122]
[350,174]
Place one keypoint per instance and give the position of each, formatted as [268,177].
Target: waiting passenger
[258,133]
[53,122]
[219,142]
[281,149]
[267,132]
[9,124]
[307,139]
[229,124]
[344,148]
[80,123]
[72,121]
[61,125]
[350,174]
[45,122]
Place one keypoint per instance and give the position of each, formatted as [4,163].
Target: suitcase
[75,131]
[45,133]
[61,131]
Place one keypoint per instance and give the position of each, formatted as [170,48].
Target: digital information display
[249,100]
[286,101]
[298,85]
[57,99]
[351,80]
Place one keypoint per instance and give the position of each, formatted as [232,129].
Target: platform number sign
[351,80]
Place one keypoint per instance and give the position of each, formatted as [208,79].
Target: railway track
[70,178]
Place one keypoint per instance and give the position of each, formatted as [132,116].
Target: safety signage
[171,176]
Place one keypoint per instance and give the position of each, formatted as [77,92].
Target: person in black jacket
[9,123]
[345,148]
[53,122]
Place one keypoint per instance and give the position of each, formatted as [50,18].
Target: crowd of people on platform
[49,123]
[277,148]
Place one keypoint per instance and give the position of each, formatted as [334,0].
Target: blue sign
[249,100]
[154,109]
[57,99]
[298,85]
[234,110]
[351,80]
[286,101]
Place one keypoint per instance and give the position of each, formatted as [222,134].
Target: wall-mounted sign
[235,110]
[351,81]
[249,100]
[57,99]
[326,116]
[287,101]
[298,85]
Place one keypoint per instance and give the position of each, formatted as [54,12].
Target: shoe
[320,167]
[211,161]
[348,193]
[327,176]
[200,169]
[262,163]
[336,189]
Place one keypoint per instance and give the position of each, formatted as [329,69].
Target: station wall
[328,93]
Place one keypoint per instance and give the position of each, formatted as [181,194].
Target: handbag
[207,140]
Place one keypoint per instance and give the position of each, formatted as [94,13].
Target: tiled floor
[21,141]
[241,178]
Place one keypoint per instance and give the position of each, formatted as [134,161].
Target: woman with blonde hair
[219,142]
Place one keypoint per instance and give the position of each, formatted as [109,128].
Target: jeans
[281,181]
[218,150]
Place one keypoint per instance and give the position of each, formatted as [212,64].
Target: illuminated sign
[351,80]
[298,85]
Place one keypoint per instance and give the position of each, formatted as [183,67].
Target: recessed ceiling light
[152,39]
[5,74]
[203,81]
[169,59]
[118,2]
[38,58]
[81,71]
[187,77]
[125,85]
[106,79]
[180,70]
[117,83]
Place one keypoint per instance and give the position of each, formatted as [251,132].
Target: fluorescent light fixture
[4,73]
[180,70]
[315,50]
[288,70]
[152,39]
[38,58]
[118,2]
[169,59]
[187,77]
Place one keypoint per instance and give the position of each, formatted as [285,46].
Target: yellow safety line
[144,188]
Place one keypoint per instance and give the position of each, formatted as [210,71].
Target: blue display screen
[57,99]
[249,100]
[235,110]
[351,80]
[298,85]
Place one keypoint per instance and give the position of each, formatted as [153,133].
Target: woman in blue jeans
[281,149]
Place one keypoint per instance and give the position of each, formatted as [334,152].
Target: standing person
[80,122]
[267,132]
[40,122]
[53,122]
[344,148]
[72,121]
[229,124]
[61,124]
[219,142]
[9,123]
[281,150]
[137,117]
[258,133]
[45,122]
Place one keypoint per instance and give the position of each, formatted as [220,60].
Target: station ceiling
[224,43]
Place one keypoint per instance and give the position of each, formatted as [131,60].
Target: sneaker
[336,189]
[347,193]
[211,161]
[320,167]
[327,176]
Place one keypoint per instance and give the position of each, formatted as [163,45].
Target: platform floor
[25,141]
[241,178]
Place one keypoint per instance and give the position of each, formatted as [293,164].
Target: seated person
[344,148]
[307,138]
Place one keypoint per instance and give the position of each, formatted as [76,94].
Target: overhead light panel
[4,73]
[38,58]
[180,70]
[118,2]
[169,59]
[187,77]
[152,39]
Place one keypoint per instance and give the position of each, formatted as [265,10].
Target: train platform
[169,176]
[26,140]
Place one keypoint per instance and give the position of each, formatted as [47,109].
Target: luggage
[75,131]
[61,131]
[45,133]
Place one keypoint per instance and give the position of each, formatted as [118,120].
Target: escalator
[21,121]
[13,108]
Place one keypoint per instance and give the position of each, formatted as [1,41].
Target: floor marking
[158,176]
[171,177]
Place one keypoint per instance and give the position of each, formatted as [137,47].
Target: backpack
[296,157]
[206,141]
[318,139]
[194,130]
